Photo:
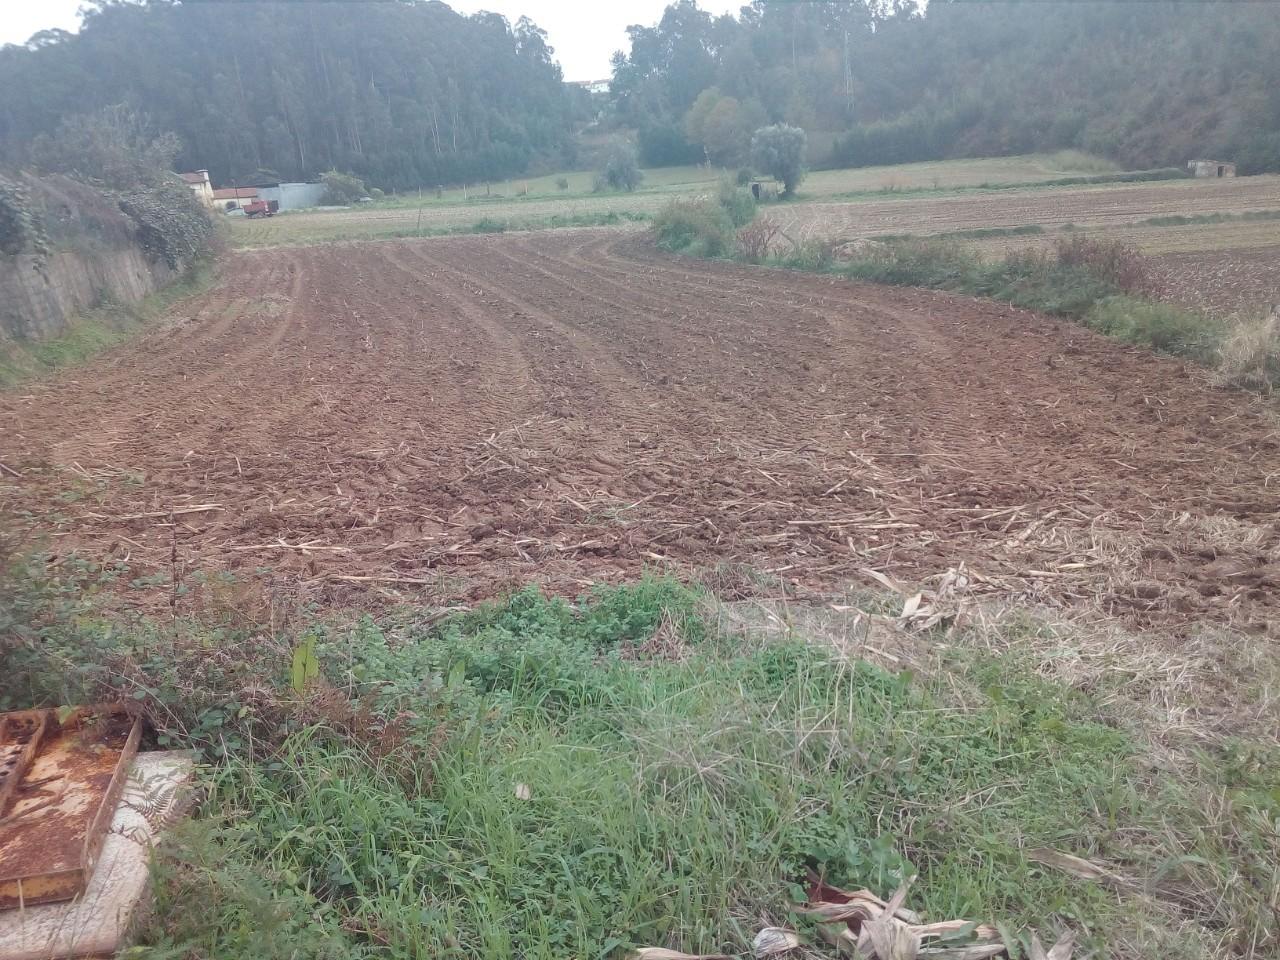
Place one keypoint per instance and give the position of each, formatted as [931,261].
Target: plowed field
[443,417]
[1095,206]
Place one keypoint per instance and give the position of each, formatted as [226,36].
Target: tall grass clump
[701,228]
[737,202]
[1163,327]
[1249,355]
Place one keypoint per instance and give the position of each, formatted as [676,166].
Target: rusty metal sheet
[98,923]
[20,736]
[59,811]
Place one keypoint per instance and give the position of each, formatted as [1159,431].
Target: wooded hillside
[403,94]
[1148,84]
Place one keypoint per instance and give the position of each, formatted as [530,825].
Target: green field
[1004,195]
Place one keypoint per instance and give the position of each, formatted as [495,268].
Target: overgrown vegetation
[117,152]
[705,227]
[20,229]
[342,188]
[540,779]
[1105,285]
[700,228]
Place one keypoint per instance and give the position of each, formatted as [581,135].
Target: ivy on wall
[173,227]
[20,227]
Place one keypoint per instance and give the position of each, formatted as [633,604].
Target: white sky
[584,32]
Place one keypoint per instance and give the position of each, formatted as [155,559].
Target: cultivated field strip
[1096,206]
[450,416]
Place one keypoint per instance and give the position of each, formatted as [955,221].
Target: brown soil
[1239,281]
[1095,206]
[443,418]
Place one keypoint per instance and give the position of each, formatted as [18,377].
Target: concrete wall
[36,303]
[294,196]
[94,256]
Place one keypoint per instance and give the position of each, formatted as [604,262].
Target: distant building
[294,196]
[232,198]
[200,186]
[592,86]
[1211,168]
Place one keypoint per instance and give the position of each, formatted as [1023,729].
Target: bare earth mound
[442,417]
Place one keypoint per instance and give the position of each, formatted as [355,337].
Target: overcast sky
[584,32]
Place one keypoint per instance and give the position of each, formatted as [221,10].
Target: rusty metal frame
[69,792]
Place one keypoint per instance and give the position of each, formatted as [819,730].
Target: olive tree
[621,168]
[779,151]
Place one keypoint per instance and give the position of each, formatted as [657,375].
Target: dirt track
[443,417]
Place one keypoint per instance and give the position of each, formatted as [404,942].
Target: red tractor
[260,208]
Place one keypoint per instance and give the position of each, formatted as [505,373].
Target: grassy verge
[540,779]
[96,330]
[1104,285]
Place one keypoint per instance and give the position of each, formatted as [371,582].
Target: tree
[779,151]
[400,94]
[115,147]
[722,126]
[891,81]
[342,188]
[621,168]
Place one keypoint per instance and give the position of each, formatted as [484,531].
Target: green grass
[301,232]
[95,330]
[540,779]
[1208,218]
[538,203]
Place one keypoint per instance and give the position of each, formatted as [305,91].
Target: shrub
[779,151]
[562,183]
[942,264]
[341,188]
[698,227]
[377,194]
[489,225]
[621,168]
[814,253]
[757,239]
[739,204]
[1113,261]
[745,176]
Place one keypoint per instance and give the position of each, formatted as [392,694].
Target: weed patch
[536,779]
[696,227]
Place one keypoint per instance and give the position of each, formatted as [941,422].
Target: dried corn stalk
[859,924]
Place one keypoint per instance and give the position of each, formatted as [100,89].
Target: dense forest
[403,93]
[881,81]
[410,93]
